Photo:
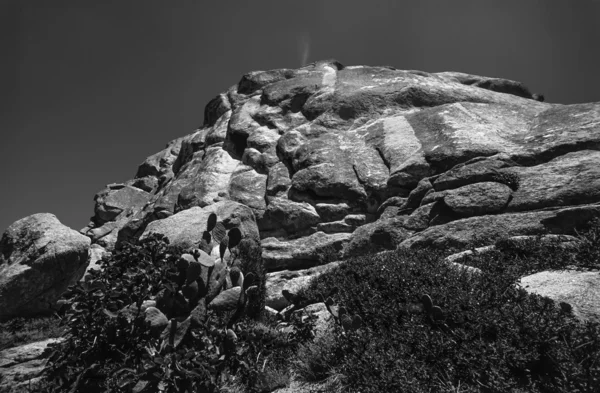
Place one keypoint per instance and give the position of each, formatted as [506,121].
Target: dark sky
[89,89]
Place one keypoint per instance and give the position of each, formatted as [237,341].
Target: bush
[490,336]
[249,256]
[142,325]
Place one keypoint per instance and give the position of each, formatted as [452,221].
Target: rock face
[39,259]
[370,159]
[186,227]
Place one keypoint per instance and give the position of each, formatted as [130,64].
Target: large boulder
[579,289]
[185,228]
[39,259]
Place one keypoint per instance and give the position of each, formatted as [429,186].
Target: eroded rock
[39,259]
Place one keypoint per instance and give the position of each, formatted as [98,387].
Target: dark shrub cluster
[488,336]
[155,319]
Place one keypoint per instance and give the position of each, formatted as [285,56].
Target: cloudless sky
[89,89]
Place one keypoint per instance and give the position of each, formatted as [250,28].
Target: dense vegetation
[491,336]
[480,333]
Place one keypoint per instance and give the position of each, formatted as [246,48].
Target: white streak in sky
[304,48]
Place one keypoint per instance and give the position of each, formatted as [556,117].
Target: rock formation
[328,161]
[39,259]
[362,159]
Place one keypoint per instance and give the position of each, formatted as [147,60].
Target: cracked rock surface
[425,158]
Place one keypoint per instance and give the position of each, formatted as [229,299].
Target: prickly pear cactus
[435,313]
[342,317]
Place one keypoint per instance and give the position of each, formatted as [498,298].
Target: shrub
[249,257]
[489,336]
[154,320]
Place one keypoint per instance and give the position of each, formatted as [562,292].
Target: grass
[20,331]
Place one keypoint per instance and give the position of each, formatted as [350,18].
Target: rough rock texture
[96,253]
[324,320]
[304,252]
[114,206]
[20,367]
[186,227]
[328,161]
[428,159]
[580,289]
[39,259]
[291,281]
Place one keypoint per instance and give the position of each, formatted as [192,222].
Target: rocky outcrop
[185,228]
[39,259]
[303,253]
[328,161]
[425,159]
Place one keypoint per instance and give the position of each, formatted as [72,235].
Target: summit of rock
[356,159]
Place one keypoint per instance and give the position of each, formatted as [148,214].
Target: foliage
[404,321]
[157,320]
[248,255]
[485,335]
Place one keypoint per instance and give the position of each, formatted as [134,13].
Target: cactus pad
[211,222]
[165,300]
[205,245]
[234,273]
[205,259]
[427,302]
[357,322]
[235,237]
[184,261]
[194,271]
[231,335]
[223,246]
[329,302]
[346,321]
[249,280]
[190,290]
[436,313]
[252,291]
[219,232]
